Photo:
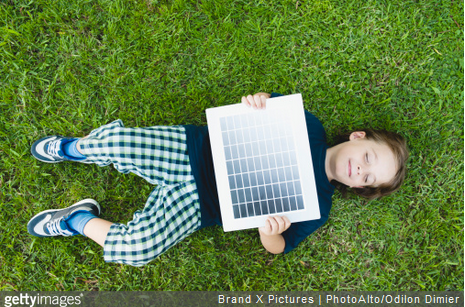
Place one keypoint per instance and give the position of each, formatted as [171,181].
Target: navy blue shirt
[201,160]
[199,150]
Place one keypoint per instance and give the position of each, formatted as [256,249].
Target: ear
[357,135]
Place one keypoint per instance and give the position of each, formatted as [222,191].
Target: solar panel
[263,166]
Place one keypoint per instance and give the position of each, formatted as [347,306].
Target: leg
[78,145]
[157,154]
[97,230]
[170,214]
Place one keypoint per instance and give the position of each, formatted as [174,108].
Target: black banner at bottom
[160,299]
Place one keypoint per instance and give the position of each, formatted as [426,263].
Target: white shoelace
[54,228]
[54,147]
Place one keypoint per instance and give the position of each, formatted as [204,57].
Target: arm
[257,101]
[270,234]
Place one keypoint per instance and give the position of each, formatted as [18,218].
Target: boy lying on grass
[178,160]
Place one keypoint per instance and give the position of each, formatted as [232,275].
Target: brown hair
[398,146]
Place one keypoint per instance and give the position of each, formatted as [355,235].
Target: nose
[359,170]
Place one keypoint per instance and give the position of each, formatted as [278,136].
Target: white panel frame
[291,107]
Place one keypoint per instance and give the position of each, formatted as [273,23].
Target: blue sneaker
[50,149]
[51,223]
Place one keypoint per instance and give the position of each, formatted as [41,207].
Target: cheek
[342,170]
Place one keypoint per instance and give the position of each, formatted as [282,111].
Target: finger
[250,100]
[287,222]
[258,101]
[274,225]
[281,223]
[245,101]
[263,99]
[268,225]
[267,228]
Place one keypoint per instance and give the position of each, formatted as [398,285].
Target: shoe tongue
[60,153]
[62,226]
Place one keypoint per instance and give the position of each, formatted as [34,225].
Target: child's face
[360,162]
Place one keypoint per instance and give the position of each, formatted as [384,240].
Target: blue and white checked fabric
[172,211]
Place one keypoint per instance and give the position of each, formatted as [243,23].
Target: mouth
[350,169]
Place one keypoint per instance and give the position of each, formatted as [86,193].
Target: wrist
[273,243]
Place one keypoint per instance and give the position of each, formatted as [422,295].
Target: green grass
[71,66]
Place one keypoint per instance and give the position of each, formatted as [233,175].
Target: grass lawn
[68,66]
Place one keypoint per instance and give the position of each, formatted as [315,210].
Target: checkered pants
[172,211]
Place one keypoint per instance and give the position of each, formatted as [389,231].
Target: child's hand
[275,225]
[257,101]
